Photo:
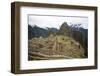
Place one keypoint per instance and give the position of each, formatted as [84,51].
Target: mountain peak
[64,24]
[64,29]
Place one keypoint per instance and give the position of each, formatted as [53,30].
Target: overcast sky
[56,21]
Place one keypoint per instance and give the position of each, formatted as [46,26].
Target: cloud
[56,21]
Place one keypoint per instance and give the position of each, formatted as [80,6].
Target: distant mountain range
[40,32]
[76,32]
[36,32]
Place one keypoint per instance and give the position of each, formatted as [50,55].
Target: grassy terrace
[54,47]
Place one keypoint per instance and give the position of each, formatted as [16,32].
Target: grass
[61,46]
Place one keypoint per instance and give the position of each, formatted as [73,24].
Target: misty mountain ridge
[36,31]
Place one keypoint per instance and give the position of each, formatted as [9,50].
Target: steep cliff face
[79,34]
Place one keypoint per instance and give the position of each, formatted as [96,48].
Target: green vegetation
[51,43]
[54,47]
